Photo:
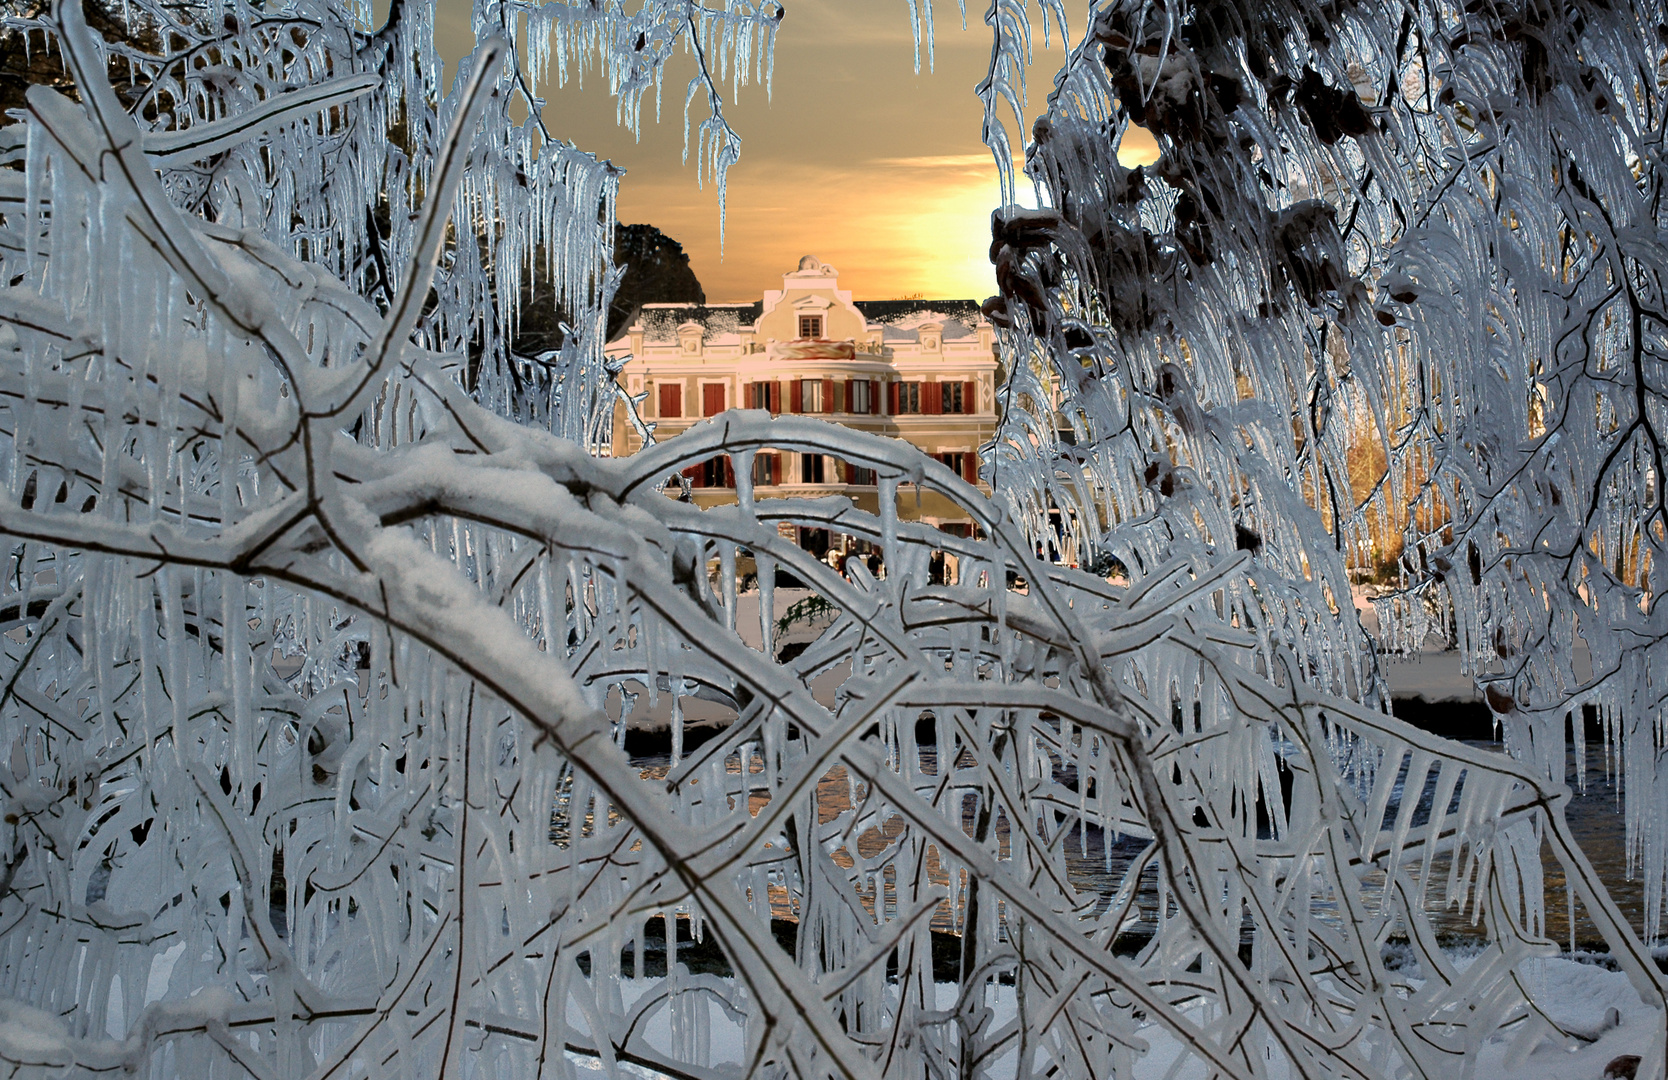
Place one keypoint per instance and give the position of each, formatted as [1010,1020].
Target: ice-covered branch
[321,663]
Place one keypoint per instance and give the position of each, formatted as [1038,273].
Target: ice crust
[323,620]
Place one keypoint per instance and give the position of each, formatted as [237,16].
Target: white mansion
[920,370]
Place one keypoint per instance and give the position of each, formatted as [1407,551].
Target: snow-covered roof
[912,312]
[902,320]
[722,323]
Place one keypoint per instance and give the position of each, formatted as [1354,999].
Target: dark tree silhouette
[27,57]
[657,271]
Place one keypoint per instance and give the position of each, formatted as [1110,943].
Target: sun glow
[895,227]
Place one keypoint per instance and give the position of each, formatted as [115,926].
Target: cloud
[1138,148]
[944,161]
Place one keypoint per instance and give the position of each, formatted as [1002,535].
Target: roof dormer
[811,318]
[689,338]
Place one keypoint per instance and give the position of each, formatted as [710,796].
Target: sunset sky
[854,157]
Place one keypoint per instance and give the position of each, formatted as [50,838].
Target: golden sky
[853,157]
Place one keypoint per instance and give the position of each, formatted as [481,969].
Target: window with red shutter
[712,399]
[671,401]
[715,473]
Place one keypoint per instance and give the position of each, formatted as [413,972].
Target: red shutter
[729,473]
[967,399]
[874,396]
[712,399]
[850,383]
[932,398]
[773,395]
[970,462]
[747,395]
[892,398]
[828,395]
[695,478]
[671,401]
[796,396]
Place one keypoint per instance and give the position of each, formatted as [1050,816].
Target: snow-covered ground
[1434,672]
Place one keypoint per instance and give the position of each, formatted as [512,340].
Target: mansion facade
[924,371]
